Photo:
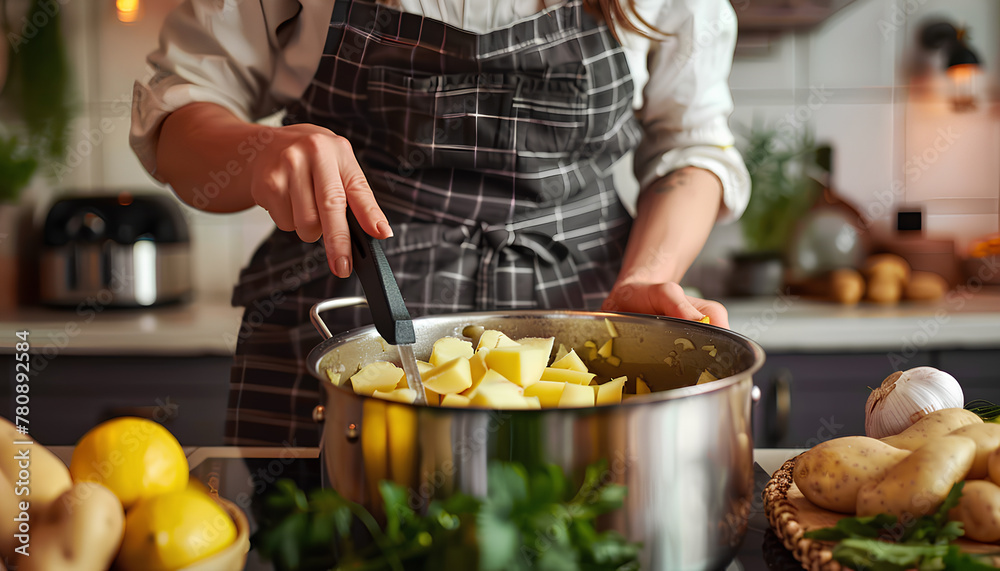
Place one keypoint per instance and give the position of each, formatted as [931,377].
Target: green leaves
[886,543]
[528,520]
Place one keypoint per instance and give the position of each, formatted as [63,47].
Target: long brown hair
[622,15]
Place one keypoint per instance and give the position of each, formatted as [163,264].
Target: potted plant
[35,111]
[786,167]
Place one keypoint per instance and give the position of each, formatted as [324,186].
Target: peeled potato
[611,391]
[521,365]
[831,473]
[548,392]
[570,361]
[451,377]
[576,396]
[567,376]
[491,339]
[447,349]
[377,376]
[407,396]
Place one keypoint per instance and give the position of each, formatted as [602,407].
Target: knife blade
[389,313]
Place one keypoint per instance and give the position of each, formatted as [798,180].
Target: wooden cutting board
[791,515]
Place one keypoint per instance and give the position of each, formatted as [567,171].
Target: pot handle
[328,304]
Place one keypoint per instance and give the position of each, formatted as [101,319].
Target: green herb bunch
[535,520]
[37,98]
[883,542]
[784,167]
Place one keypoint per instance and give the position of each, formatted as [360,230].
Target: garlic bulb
[906,396]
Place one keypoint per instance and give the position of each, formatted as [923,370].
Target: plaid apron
[491,155]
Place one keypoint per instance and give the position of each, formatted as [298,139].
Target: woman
[478,138]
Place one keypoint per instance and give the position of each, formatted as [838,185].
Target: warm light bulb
[963,80]
[128,10]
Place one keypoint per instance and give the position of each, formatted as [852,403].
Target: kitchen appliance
[120,250]
[684,452]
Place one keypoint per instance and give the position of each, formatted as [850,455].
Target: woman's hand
[664,299]
[305,178]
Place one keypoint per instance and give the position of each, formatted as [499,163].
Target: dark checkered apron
[491,155]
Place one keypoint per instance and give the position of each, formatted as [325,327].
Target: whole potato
[979,511]
[847,286]
[831,473]
[925,286]
[884,289]
[921,481]
[987,439]
[49,476]
[81,531]
[937,423]
[993,467]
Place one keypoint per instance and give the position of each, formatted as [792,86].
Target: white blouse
[256,56]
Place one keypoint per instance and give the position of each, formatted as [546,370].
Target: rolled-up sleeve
[687,100]
[228,52]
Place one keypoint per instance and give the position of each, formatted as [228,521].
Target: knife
[392,320]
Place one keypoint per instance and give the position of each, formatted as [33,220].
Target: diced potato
[567,376]
[491,339]
[591,350]
[423,367]
[561,352]
[452,377]
[432,397]
[611,391]
[706,377]
[521,365]
[641,388]
[570,361]
[576,396]
[378,376]
[335,378]
[684,344]
[545,343]
[455,400]
[605,350]
[398,395]
[548,392]
[477,365]
[705,319]
[532,403]
[449,348]
[710,349]
[613,361]
[498,394]
[612,331]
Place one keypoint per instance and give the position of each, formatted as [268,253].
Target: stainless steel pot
[684,451]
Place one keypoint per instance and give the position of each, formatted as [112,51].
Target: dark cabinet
[807,398]
[71,394]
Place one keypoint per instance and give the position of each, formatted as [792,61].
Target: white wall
[848,79]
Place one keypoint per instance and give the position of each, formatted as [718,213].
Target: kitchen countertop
[207,326]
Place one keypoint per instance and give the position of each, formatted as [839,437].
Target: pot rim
[317,353]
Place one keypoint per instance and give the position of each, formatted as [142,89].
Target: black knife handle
[389,313]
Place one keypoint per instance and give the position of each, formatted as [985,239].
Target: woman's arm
[674,218]
[305,176]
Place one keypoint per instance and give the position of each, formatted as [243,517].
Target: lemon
[174,530]
[135,458]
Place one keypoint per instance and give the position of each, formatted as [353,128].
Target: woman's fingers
[664,299]
[300,194]
[669,299]
[716,312]
[361,199]
[270,192]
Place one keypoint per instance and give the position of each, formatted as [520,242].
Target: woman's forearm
[205,153]
[674,219]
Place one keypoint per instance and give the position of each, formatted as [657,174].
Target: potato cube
[455,400]
[612,331]
[477,364]
[576,396]
[641,388]
[491,339]
[706,377]
[498,394]
[335,378]
[448,348]
[544,343]
[398,395]
[561,352]
[605,350]
[571,361]
[452,377]
[613,361]
[591,350]
[567,376]
[377,376]
[521,365]
[548,392]
[423,367]
[611,391]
